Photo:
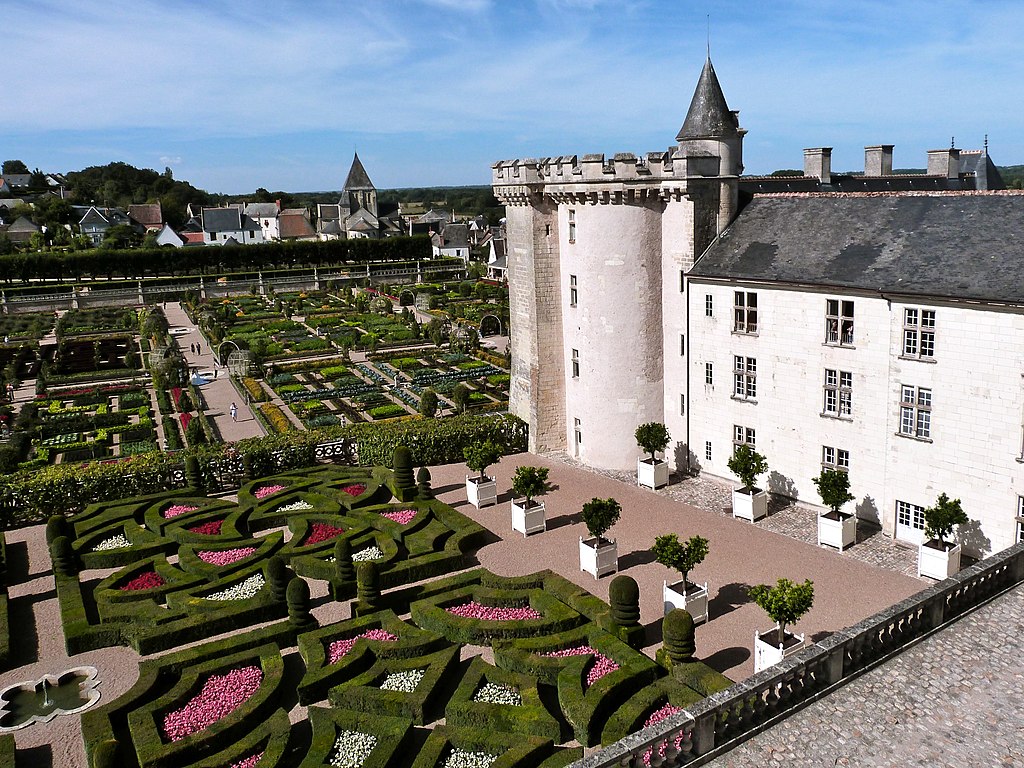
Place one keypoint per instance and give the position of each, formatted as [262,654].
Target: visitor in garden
[234,412]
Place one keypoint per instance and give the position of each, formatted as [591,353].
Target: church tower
[358,191]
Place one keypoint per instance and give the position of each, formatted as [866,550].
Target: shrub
[785,603]
[424,490]
[833,488]
[652,437]
[297,596]
[679,635]
[428,403]
[63,556]
[599,515]
[747,464]
[624,597]
[343,559]
[254,390]
[278,576]
[530,482]
[672,553]
[405,485]
[480,456]
[368,586]
[940,520]
[275,418]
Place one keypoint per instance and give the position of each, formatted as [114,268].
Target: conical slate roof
[357,177]
[709,115]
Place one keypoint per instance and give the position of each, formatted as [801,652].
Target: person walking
[234,412]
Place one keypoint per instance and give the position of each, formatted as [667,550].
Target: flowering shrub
[598,668]
[351,748]
[295,506]
[459,758]
[248,762]
[320,532]
[402,516]
[656,717]
[117,541]
[339,648]
[369,553]
[220,696]
[405,682]
[225,556]
[495,693]
[267,490]
[211,528]
[474,610]
[145,580]
[242,590]
[178,509]
[356,489]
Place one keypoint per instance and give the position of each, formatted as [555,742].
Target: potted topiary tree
[652,438]
[835,528]
[482,491]
[936,557]
[527,513]
[785,603]
[683,557]
[748,502]
[599,556]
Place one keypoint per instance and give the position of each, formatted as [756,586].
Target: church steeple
[709,116]
[359,191]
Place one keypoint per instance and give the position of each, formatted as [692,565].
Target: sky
[233,95]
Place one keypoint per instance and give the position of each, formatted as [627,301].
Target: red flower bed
[175,395]
[212,528]
[356,489]
[598,668]
[221,695]
[225,556]
[145,580]
[319,532]
[401,516]
[339,648]
[186,419]
[474,610]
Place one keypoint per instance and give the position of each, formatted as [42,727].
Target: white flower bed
[351,748]
[296,506]
[241,591]
[405,682]
[118,541]
[459,758]
[370,553]
[495,693]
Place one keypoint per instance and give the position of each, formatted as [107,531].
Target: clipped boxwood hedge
[393,734]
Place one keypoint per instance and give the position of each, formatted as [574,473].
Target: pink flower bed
[249,762]
[339,648]
[356,489]
[225,556]
[267,490]
[473,610]
[145,580]
[656,717]
[319,532]
[178,509]
[221,695]
[401,516]
[598,668]
[212,528]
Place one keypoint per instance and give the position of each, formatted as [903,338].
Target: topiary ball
[107,754]
[624,596]
[56,525]
[679,635]
[423,484]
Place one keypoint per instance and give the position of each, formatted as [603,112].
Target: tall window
[573,292]
[1020,519]
[709,305]
[682,281]
[839,322]
[572,226]
[919,333]
[577,433]
[744,377]
[682,344]
[838,393]
[835,458]
[743,436]
[707,450]
[682,404]
[709,373]
[575,363]
[916,412]
[909,515]
[745,312]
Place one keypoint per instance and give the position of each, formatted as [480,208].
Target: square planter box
[694,599]
[481,493]
[598,560]
[936,562]
[768,652]
[837,530]
[651,475]
[749,506]
[528,520]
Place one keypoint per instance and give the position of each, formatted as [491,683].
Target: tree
[747,464]
[785,603]
[120,236]
[833,488]
[652,437]
[530,482]
[599,515]
[428,403]
[14,166]
[480,456]
[460,396]
[674,554]
[940,520]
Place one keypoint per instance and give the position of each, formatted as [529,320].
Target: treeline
[154,262]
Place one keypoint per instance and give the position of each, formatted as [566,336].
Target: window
[839,322]
[682,405]
[572,226]
[575,363]
[744,377]
[577,433]
[838,393]
[743,436]
[835,458]
[682,344]
[573,292]
[547,230]
[707,451]
[909,515]
[1020,519]
[682,281]
[916,412]
[709,305]
[745,312]
[919,333]
[709,374]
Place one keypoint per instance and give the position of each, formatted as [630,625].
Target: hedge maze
[262,684]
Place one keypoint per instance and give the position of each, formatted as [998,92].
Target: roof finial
[709,35]
[952,142]
[986,143]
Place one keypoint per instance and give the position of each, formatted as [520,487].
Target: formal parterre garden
[262,683]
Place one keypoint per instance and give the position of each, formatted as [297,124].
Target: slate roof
[958,245]
[325,212]
[455,235]
[357,176]
[261,210]
[709,116]
[229,219]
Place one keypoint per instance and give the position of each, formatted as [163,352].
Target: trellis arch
[484,325]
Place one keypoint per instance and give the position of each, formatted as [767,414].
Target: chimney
[944,162]
[818,164]
[878,160]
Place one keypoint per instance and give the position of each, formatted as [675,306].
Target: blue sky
[238,95]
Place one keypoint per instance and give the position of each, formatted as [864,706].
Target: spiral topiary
[298,605]
[423,484]
[343,559]
[64,560]
[57,525]
[368,584]
[678,633]
[624,596]
[278,576]
[405,485]
[107,754]
[194,474]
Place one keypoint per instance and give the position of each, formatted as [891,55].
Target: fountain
[39,701]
